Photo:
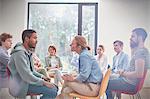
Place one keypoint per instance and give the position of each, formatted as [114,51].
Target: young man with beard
[24,79]
[139,63]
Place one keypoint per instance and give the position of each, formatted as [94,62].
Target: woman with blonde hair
[89,77]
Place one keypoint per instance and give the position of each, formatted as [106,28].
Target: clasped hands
[120,72]
[68,77]
[47,82]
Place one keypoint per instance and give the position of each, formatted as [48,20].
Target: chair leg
[74,97]
[138,95]
[132,96]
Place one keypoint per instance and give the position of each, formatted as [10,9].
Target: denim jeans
[47,93]
[118,84]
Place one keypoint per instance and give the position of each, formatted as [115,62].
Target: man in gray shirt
[5,45]
[130,78]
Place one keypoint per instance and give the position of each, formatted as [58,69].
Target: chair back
[138,86]
[141,83]
[104,82]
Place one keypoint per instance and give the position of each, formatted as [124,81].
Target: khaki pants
[88,89]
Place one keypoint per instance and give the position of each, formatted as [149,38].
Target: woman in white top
[54,65]
[101,58]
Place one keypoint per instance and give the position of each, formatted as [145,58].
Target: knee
[53,93]
[70,84]
[66,90]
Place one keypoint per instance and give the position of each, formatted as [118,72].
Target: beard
[32,46]
[133,44]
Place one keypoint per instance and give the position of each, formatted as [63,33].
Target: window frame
[80,5]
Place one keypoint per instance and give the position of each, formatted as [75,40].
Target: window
[57,23]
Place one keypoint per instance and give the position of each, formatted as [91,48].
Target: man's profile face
[134,40]
[32,40]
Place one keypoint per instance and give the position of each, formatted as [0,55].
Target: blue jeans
[47,93]
[118,84]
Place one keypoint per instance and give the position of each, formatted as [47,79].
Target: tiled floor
[145,94]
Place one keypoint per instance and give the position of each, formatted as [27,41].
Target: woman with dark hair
[101,58]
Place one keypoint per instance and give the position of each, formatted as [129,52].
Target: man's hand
[48,84]
[120,72]
[46,79]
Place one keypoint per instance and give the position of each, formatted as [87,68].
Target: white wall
[149,16]
[0,16]
[13,18]
[118,18]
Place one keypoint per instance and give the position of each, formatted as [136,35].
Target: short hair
[140,32]
[53,47]
[27,33]
[81,41]
[118,41]
[102,47]
[3,37]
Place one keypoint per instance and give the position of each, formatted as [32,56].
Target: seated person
[89,76]
[37,64]
[120,61]
[75,62]
[54,65]
[23,77]
[5,45]
[101,58]
[130,77]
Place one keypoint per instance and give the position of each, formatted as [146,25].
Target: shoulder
[142,51]
[2,50]
[47,57]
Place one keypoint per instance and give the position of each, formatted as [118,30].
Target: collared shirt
[89,71]
[120,61]
[117,57]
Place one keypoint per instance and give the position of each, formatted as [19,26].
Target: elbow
[139,75]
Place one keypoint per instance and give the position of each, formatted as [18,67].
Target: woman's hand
[68,77]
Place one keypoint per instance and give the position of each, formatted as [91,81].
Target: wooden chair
[102,90]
